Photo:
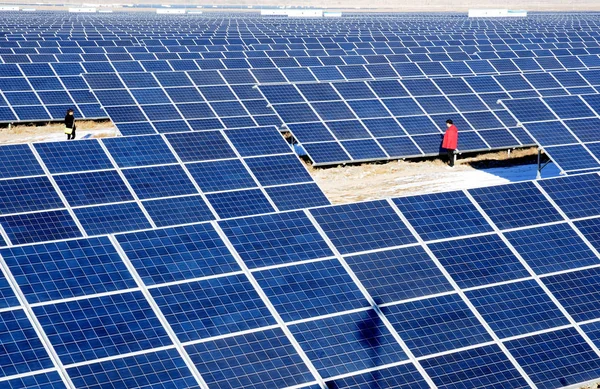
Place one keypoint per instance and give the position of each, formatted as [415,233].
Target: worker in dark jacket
[450,141]
[70,124]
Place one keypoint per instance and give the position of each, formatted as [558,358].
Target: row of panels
[406,118]
[350,67]
[285,299]
[121,184]
[436,52]
[35,92]
[546,59]
[565,127]
[427,44]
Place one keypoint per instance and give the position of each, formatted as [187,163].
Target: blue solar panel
[125,114]
[139,151]
[297,196]
[551,133]
[67,269]
[278,170]
[28,194]
[573,157]
[362,226]
[584,129]
[459,215]
[348,130]
[515,205]
[7,296]
[416,125]
[333,110]
[556,359]
[368,109]
[478,261]
[552,248]
[577,196]
[397,377]
[270,361]
[84,330]
[499,138]
[159,181]
[569,107]
[312,289]
[176,254]
[240,203]
[403,106]
[577,292]
[103,81]
[529,110]
[517,308]
[129,129]
[178,210]
[63,157]
[366,149]
[481,367]
[49,380]
[213,307]
[18,161]
[22,350]
[347,343]
[106,219]
[39,227]
[93,188]
[221,175]
[200,146]
[255,242]
[380,273]
[324,153]
[164,369]
[436,324]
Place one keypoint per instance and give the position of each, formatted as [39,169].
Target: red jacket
[451,138]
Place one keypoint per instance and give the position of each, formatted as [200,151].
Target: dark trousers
[71,135]
[450,153]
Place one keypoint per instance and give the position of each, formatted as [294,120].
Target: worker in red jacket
[450,142]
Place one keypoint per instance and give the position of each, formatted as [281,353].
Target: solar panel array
[485,287]
[565,127]
[42,64]
[198,252]
[59,190]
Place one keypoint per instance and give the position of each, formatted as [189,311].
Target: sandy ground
[345,184]
[54,132]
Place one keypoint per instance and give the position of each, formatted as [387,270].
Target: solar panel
[561,140]
[83,336]
[516,205]
[362,226]
[311,289]
[272,362]
[213,307]
[460,217]
[67,269]
[465,368]
[562,365]
[165,367]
